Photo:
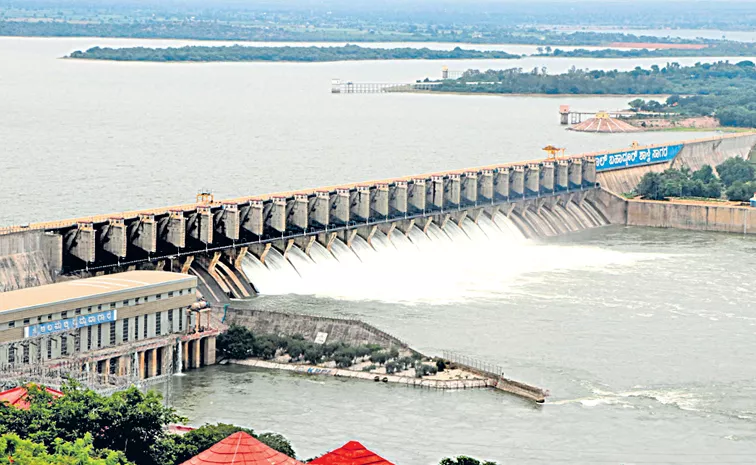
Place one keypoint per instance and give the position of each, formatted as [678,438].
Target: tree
[741,191]
[650,187]
[17,451]
[464,460]
[637,104]
[236,343]
[735,169]
[705,174]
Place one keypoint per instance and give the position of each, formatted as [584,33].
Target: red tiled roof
[241,449]
[18,396]
[351,453]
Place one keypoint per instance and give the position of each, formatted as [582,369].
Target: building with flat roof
[119,324]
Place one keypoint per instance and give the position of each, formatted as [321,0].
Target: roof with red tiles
[351,453]
[241,449]
[19,396]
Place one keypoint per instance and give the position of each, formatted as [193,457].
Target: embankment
[694,154]
[351,332]
[698,216]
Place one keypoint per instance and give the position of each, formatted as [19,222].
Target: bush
[741,191]
[343,361]
[379,357]
[373,348]
[733,170]
[405,362]
[313,355]
[392,367]
[368,368]
[440,365]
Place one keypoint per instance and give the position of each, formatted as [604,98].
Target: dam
[232,245]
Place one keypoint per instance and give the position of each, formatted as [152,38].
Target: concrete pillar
[201,225]
[379,202]
[228,221]
[185,355]
[532,179]
[589,172]
[153,363]
[143,233]
[124,365]
[416,196]
[562,175]
[452,190]
[359,204]
[274,212]
[210,350]
[197,362]
[106,370]
[296,213]
[114,237]
[319,206]
[174,228]
[251,217]
[517,181]
[485,185]
[435,193]
[470,188]
[80,242]
[52,248]
[141,365]
[576,173]
[340,207]
[397,198]
[547,177]
[501,183]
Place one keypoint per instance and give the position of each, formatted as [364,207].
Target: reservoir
[646,338]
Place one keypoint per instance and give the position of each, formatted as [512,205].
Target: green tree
[735,169]
[464,460]
[17,451]
[236,343]
[650,187]
[705,174]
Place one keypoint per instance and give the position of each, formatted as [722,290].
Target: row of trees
[287,53]
[126,427]
[736,177]
[724,90]
[239,343]
[721,49]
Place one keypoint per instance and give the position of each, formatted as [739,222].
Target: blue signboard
[638,157]
[70,323]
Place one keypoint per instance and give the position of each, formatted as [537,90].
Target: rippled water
[645,338]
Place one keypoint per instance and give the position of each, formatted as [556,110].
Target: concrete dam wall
[23,262]
[692,154]
[697,217]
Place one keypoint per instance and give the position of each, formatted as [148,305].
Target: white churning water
[482,259]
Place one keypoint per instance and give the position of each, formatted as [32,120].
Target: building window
[26,321]
[112,334]
[49,349]
[126,330]
[99,336]
[158,323]
[136,328]
[181,319]
[49,317]
[89,338]
[64,345]
[63,314]
[77,341]
[12,324]
[25,358]
[170,294]
[170,320]
[112,305]
[77,311]
[138,299]
[158,296]
[12,355]
[146,320]
[99,307]
[125,302]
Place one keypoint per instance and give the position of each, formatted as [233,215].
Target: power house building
[133,323]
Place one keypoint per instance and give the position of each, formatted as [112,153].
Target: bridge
[348,87]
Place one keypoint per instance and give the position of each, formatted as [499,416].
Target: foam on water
[486,260]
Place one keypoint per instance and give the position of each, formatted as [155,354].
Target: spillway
[438,261]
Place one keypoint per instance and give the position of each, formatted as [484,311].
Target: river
[644,337]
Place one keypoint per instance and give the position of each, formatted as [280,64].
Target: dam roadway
[209,238]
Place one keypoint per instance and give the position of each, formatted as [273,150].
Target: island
[239,53]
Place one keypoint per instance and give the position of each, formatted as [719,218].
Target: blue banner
[638,157]
[69,324]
